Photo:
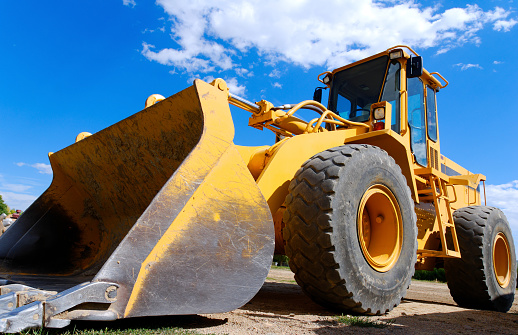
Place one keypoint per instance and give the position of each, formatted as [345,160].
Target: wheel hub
[380,228]
[501,260]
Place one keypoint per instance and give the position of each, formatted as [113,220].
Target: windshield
[356,88]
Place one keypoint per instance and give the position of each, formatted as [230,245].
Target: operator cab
[394,77]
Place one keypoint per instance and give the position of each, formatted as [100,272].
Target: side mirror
[317,95]
[414,67]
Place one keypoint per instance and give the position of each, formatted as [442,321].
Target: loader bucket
[159,207]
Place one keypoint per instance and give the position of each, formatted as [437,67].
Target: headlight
[327,79]
[396,54]
[379,113]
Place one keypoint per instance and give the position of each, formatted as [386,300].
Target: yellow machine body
[275,167]
[165,210]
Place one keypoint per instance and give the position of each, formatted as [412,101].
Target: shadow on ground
[458,322]
[280,302]
[284,299]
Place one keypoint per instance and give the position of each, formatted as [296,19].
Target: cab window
[356,88]
[431,113]
[391,93]
[416,119]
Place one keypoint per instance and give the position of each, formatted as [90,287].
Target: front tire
[485,276]
[351,232]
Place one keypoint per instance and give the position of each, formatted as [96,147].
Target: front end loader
[162,214]
[141,220]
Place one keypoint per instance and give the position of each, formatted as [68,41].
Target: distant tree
[3,206]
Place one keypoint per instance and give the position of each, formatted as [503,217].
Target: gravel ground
[280,307]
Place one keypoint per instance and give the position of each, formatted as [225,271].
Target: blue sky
[73,66]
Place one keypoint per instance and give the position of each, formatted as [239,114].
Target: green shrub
[435,275]
[281,260]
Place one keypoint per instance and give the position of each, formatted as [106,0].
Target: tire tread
[309,205]
[466,277]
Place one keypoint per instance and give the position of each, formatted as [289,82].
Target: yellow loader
[162,214]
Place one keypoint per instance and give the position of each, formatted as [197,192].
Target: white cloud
[17,200]
[504,25]
[244,72]
[275,74]
[505,197]
[277,85]
[16,187]
[496,62]
[130,3]
[232,84]
[207,35]
[16,192]
[182,59]
[41,167]
[464,67]
[235,88]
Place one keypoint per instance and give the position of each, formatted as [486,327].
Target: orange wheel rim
[501,260]
[380,228]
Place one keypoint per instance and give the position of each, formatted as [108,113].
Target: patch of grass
[362,321]
[280,267]
[282,280]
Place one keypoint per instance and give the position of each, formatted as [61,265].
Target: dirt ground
[280,307]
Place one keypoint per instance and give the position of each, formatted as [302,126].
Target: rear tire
[485,276]
[351,232]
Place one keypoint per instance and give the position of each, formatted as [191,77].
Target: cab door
[416,120]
